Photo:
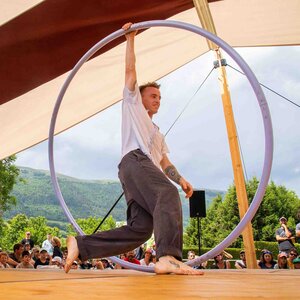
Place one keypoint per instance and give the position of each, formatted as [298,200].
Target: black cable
[185,107]
[267,88]
[103,220]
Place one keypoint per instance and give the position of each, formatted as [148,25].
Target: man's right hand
[125,27]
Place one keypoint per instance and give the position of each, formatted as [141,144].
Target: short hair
[24,253]
[3,254]
[17,247]
[57,241]
[149,84]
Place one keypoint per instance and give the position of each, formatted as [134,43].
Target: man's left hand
[186,187]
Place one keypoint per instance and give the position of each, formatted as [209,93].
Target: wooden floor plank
[128,284]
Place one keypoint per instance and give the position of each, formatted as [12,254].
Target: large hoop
[268,132]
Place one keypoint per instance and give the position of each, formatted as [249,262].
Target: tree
[14,230]
[88,225]
[223,215]
[8,177]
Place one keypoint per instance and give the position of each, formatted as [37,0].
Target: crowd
[26,255]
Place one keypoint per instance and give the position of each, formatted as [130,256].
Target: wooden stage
[128,284]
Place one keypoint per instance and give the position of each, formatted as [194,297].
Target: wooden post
[237,166]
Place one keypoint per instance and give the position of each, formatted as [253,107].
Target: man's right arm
[130,70]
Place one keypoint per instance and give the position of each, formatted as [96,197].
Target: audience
[147,260]
[15,258]
[43,260]
[47,244]
[281,261]
[3,260]
[51,255]
[266,260]
[25,263]
[28,239]
[220,263]
[241,264]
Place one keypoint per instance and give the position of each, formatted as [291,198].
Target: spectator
[57,261]
[191,256]
[292,255]
[25,263]
[97,264]
[106,264]
[56,247]
[282,261]
[47,244]
[298,232]
[296,263]
[85,264]
[147,260]
[15,258]
[42,261]
[241,264]
[35,254]
[130,257]
[3,260]
[284,236]
[27,247]
[220,263]
[74,265]
[28,239]
[266,260]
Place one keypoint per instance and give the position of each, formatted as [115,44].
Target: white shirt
[48,246]
[138,130]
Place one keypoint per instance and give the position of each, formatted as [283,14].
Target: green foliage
[223,216]
[8,177]
[88,225]
[15,228]
[85,198]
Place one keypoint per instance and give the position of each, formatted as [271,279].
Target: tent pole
[208,24]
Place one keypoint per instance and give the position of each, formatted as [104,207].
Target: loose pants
[153,204]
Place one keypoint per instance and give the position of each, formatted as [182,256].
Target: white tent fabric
[25,120]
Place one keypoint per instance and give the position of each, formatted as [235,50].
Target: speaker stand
[199,232]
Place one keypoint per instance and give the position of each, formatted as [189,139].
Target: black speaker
[197,204]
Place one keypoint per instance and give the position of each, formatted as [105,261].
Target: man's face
[282,221]
[151,100]
[27,235]
[20,250]
[130,255]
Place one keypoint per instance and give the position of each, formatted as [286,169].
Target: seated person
[281,261]
[130,257]
[241,264]
[25,263]
[3,260]
[43,260]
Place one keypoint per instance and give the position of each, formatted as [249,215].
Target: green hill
[84,198]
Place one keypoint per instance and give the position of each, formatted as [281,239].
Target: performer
[153,201]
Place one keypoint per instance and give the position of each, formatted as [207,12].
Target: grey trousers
[153,204]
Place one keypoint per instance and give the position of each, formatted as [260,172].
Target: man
[241,264]
[130,257]
[47,244]
[284,236]
[153,201]
[15,257]
[43,260]
[28,239]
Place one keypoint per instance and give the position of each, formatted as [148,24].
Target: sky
[198,141]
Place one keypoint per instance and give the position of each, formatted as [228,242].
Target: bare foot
[169,264]
[73,253]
